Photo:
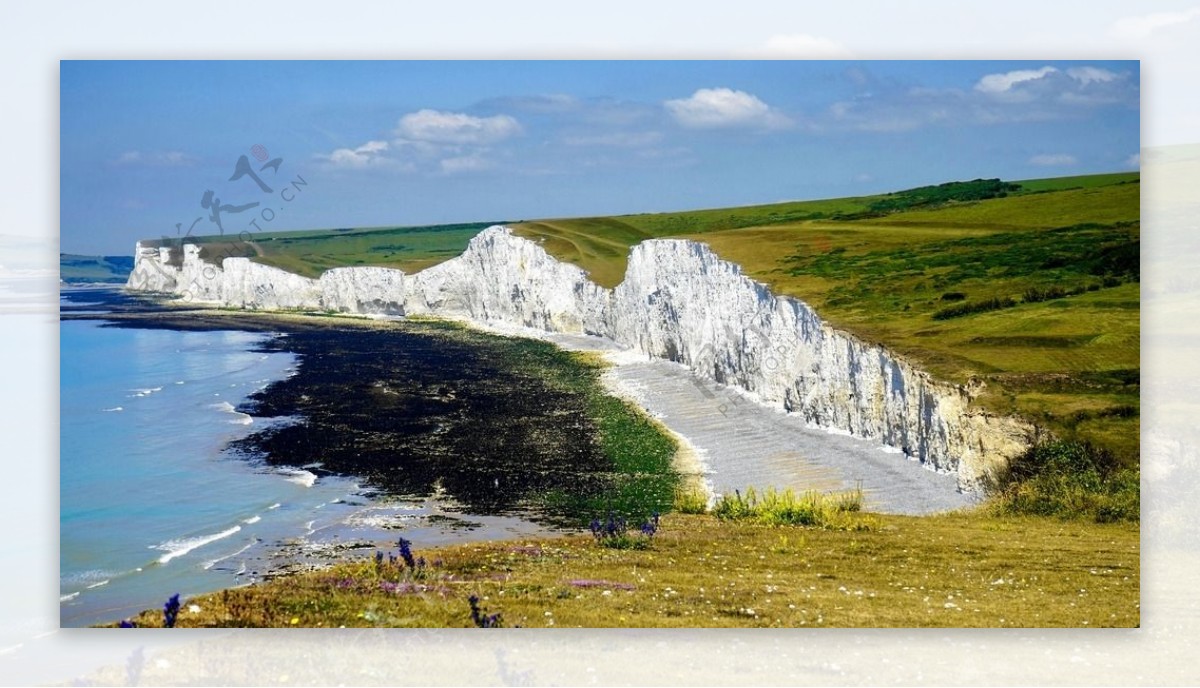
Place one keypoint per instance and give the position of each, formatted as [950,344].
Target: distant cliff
[678,301]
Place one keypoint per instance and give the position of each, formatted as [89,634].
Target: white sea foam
[68,598]
[97,584]
[178,548]
[240,418]
[276,505]
[252,520]
[115,408]
[213,562]
[299,476]
[144,391]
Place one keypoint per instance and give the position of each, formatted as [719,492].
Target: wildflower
[406,553]
[126,623]
[480,619]
[170,611]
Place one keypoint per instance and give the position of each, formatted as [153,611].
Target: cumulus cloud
[1082,85]
[724,107]
[369,154]
[1053,160]
[435,126]
[1139,27]
[155,159]
[805,45]
[1087,75]
[1003,83]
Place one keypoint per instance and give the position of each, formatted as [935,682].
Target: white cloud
[434,126]
[465,163]
[621,139]
[1087,75]
[1002,83]
[1139,27]
[370,153]
[724,107]
[1134,160]
[158,159]
[1053,160]
[805,45]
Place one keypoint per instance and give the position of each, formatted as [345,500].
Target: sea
[154,503]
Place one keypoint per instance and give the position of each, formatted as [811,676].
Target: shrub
[992,304]
[614,532]
[954,296]
[691,500]
[1068,479]
[1035,295]
[772,507]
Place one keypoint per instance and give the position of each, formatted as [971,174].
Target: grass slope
[956,570]
[410,249]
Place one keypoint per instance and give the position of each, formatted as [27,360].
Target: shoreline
[378,515]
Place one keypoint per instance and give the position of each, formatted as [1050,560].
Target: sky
[151,149]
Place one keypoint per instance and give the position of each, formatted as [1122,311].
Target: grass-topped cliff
[1028,291]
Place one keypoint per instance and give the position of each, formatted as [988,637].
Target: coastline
[376,515]
[580,584]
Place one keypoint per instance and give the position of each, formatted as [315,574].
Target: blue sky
[398,143]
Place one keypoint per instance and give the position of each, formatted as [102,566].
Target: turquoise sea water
[153,504]
[149,501]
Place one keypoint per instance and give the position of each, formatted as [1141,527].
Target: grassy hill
[1029,290]
[75,269]
[1035,293]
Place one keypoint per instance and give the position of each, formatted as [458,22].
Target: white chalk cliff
[678,301]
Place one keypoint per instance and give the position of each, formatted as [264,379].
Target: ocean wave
[213,562]
[115,408]
[241,418]
[98,584]
[299,476]
[276,505]
[68,598]
[144,391]
[252,520]
[178,548]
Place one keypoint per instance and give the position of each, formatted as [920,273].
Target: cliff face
[678,301]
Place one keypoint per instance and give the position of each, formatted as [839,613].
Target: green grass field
[1031,289]
[311,253]
[954,570]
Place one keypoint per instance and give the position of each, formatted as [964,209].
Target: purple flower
[170,611]
[480,619]
[406,553]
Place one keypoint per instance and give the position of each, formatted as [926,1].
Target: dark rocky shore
[499,425]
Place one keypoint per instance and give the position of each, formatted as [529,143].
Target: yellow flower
[295,620]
